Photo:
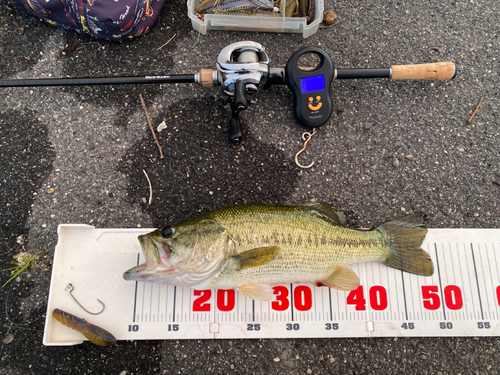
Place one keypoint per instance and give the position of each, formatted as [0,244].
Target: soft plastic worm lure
[93,333]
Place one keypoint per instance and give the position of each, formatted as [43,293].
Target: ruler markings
[325,298]
[151,313]
[411,314]
[135,291]
[494,311]
[366,295]
[320,310]
[388,281]
[384,278]
[317,297]
[481,285]
[142,307]
[477,281]
[450,266]
[487,285]
[498,278]
[173,305]
[462,280]
[158,303]
[459,280]
[488,312]
[326,304]
[469,266]
[404,295]
[337,313]
[392,292]
[259,312]
[264,312]
[449,260]
[330,298]
[167,296]
[323,306]
[440,284]
[291,300]
[496,263]
[366,291]
[416,292]
[253,311]
[151,301]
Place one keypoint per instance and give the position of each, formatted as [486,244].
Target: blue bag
[103,19]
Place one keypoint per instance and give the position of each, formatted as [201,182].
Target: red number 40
[378,298]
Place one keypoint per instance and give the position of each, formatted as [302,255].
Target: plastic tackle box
[256,23]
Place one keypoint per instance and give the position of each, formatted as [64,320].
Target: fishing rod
[243,68]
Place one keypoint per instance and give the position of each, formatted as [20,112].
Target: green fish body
[252,247]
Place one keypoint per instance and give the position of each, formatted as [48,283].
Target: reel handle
[238,103]
[442,71]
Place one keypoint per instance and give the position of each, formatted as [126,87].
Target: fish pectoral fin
[261,292]
[343,279]
[255,257]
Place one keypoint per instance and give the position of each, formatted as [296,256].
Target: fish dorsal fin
[343,279]
[328,211]
[255,257]
[261,292]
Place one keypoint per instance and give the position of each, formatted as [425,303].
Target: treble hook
[306,137]
[71,288]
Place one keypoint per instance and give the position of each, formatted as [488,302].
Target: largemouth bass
[251,247]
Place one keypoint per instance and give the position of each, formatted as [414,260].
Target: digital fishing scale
[243,69]
[312,102]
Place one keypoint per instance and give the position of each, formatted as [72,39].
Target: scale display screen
[314,83]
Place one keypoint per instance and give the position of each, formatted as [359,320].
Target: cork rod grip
[206,79]
[442,71]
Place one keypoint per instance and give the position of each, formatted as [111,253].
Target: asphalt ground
[75,155]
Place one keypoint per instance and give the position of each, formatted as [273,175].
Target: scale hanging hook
[70,287]
[306,137]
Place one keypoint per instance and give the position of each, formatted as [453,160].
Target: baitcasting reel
[243,69]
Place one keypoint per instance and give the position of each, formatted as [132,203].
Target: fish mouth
[144,272]
[157,265]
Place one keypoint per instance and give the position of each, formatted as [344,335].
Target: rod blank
[176,78]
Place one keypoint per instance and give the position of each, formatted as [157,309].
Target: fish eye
[167,232]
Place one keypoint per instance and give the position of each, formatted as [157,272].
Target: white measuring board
[462,298]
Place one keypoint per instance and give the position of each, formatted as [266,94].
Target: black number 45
[408,326]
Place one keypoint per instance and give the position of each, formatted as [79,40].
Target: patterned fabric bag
[103,19]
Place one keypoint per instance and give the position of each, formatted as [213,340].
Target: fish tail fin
[404,237]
